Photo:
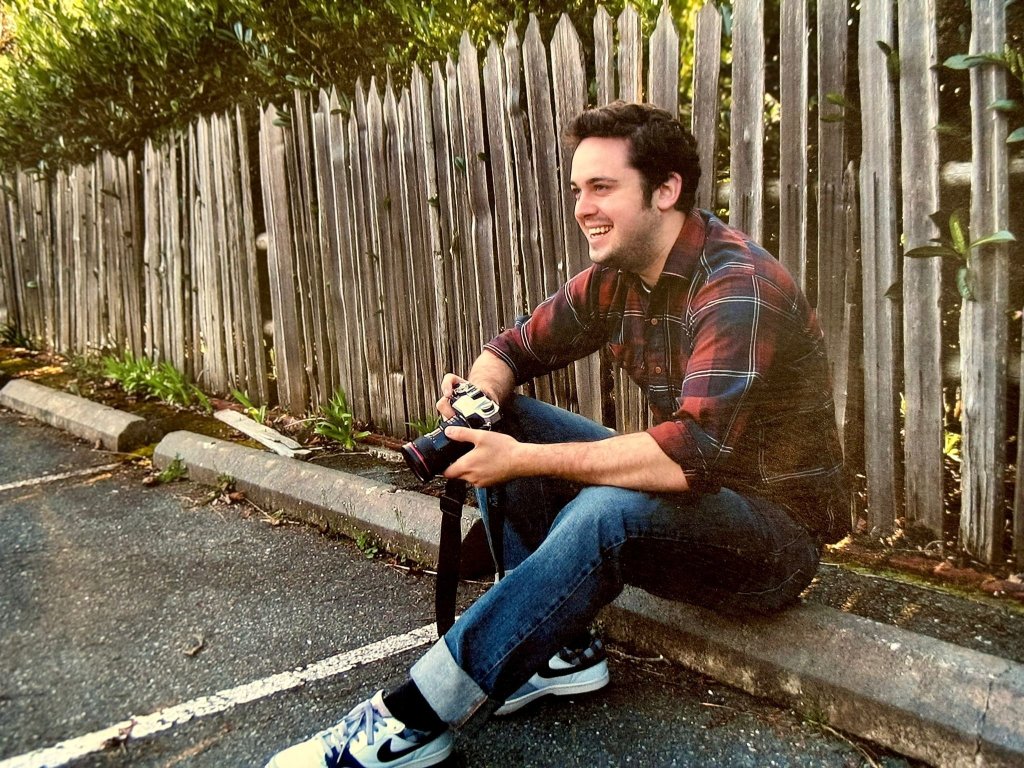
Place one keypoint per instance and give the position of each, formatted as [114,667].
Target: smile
[598,231]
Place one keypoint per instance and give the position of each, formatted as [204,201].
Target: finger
[449,383]
[462,434]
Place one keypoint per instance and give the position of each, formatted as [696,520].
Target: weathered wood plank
[280,444]
[922,278]
[832,160]
[630,408]
[433,270]
[570,93]
[328,235]
[631,55]
[307,249]
[706,98]
[746,147]
[604,56]
[527,250]
[258,386]
[793,140]
[499,159]
[983,318]
[353,368]
[462,262]
[291,381]
[422,383]
[881,267]
[663,67]
[397,288]
[449,289]
[362,202]
[481,222]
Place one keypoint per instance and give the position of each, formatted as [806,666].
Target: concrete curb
[404,521]
[113,429]
[922,697]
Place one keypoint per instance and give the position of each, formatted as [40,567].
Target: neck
[672,224]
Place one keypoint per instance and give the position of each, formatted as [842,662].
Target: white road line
[165,719]
[61,476]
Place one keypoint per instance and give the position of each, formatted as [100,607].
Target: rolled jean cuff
[449,691]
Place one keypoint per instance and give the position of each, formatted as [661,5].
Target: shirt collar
[686,252]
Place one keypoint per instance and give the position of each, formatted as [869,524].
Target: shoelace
[363,717]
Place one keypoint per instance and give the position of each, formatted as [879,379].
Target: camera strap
[449,554]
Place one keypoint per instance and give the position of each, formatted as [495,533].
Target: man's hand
[490,462]
[448,385]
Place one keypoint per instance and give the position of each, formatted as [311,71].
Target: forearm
[626,461]
[492,376]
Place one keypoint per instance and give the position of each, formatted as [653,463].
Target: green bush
[81,75]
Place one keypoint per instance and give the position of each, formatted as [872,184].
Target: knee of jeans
[598,511]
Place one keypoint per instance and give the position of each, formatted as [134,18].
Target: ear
[668,192]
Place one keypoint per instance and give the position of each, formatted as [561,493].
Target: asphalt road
[120,600]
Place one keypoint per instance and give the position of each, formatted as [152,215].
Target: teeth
[595,231]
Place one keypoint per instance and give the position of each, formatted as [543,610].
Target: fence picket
[433,269]
[922,278]
[881,267]
[604,56]
[706,97]
[499,142]
[631,55]
[290,375]
[570,92]
[481,236]
[746,148]
[663,66]
[365,202]
[832,162]
[983,327]
[793,141]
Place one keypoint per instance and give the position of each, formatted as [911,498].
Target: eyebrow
[596,180]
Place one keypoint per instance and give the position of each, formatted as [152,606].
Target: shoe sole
[557,689]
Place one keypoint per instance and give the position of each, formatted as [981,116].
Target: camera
[433,453]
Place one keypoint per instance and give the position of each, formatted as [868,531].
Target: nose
[584,205]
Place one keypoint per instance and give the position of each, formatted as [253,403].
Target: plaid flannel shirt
[731,359]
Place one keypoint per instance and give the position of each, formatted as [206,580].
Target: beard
[637,247]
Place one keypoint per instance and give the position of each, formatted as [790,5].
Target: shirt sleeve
[565,327]
[736,324]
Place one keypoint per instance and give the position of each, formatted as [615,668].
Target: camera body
[433,453]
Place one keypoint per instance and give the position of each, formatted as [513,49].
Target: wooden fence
[406,226]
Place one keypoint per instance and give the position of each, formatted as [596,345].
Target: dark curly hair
[658,144]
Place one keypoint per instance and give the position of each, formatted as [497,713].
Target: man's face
[611,209]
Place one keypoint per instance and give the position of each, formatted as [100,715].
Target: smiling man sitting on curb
[724,502]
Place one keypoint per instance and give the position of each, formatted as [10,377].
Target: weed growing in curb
[259,415]
[141,376]
[426,425]
[176,470]
[337,422]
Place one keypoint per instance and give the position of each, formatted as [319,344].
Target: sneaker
[368,737]
[568,672]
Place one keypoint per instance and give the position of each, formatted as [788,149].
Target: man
[723,502]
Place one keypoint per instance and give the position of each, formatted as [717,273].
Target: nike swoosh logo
[549,674]
[386,755]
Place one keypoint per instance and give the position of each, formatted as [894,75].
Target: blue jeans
[569,551]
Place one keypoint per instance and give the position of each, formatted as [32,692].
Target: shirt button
[657,369]
[654,321]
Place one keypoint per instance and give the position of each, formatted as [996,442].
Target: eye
[575,193]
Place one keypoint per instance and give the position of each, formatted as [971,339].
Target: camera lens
[433,453]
